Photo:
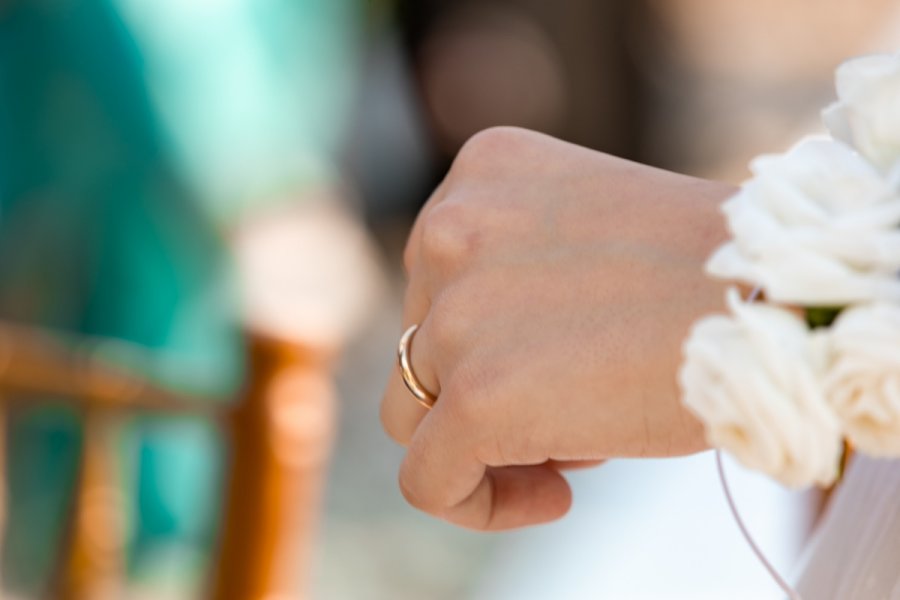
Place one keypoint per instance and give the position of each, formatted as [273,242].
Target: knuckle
[488,145]
[448,324]
[444,333]
[466,408]
[450,235]
[415,494]
[466,395]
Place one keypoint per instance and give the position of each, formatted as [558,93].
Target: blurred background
[202,209]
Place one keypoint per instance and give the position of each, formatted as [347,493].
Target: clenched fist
[553,286]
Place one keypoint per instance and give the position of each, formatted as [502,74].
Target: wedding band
[422,396]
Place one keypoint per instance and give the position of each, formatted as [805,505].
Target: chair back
[278,434]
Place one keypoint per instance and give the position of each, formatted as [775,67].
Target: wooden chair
[279,433]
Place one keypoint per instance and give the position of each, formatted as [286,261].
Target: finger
[401,413]
[414,242]
[573,465]
[442,475]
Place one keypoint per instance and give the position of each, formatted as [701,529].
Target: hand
[553,286]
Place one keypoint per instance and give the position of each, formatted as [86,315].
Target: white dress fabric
[655,529]
[855,552]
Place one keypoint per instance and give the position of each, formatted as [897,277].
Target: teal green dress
[130,134]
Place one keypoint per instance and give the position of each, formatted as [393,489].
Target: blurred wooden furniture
[278,431]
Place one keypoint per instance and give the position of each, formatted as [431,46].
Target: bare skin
[554,286]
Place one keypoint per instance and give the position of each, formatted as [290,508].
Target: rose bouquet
[781,383]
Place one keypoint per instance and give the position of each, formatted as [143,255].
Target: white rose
[817,226]
[867,113]
[753,379]
[863,381]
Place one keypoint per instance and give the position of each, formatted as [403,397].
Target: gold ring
[422,396]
